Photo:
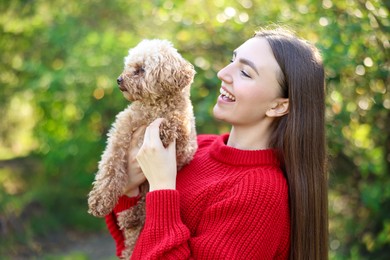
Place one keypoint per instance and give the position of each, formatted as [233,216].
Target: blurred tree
[59,64]
[356,50]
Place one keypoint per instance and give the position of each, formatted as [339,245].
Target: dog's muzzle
[119,81]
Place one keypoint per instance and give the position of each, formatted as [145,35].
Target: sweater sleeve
[250,220]
[164,236]
[112,225]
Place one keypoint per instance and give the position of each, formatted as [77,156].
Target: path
[97,246]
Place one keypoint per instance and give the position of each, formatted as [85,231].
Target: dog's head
[154,69]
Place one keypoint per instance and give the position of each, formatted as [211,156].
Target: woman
[259,192]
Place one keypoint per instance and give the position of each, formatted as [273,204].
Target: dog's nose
[119,80]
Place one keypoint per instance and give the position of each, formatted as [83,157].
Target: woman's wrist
[163,186]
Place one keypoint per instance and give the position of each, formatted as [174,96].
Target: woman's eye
[245,74]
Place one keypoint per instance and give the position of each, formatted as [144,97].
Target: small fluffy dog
[157,80]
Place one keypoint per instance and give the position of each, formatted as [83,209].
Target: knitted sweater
[228,204]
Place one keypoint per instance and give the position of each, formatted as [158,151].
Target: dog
[156,80]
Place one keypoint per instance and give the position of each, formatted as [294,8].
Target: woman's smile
[227,96]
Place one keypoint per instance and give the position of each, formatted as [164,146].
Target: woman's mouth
[226,96]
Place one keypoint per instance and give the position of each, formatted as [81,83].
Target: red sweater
[228,204]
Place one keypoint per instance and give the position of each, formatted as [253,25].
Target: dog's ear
[176,75]
[185,75]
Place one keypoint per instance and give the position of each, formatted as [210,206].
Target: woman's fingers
[152,131]
[157,163]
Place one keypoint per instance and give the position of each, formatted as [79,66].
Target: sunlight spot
[202,63]
[303,9]
[358,13]
[363,104]
[370,6]
[334,244]
[324,21]
[70,111]
[360,70]
[362,136]
[286,13]
[336,96]
[246,4]
[378,86]
[230,12]
[336,108]
[382,12]
[386,103]
[243,17]
[373,21]
[327,4]
[360,90]
[368,62]
[221,18]
[98,93]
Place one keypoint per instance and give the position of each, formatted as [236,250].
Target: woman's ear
[279,108]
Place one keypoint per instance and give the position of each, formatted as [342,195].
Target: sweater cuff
[163,208]
[124,203]
[116,233]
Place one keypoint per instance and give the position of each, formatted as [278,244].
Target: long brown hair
[299,136]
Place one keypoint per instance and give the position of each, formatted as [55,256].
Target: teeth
[227,94]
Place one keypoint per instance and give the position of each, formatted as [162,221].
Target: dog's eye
[139,71]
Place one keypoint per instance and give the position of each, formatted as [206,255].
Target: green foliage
[59,64]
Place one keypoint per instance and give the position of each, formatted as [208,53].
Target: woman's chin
[218,114]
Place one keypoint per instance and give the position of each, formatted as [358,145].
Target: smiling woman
[262,186]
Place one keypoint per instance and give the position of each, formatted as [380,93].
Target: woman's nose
[224,74]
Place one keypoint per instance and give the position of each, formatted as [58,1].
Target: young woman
[259,192]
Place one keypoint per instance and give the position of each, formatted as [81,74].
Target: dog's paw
[168,132]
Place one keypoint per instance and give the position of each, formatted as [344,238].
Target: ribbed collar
[233,156]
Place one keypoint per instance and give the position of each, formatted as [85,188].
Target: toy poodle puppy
[157,80]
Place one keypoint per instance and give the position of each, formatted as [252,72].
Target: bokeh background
[59,64]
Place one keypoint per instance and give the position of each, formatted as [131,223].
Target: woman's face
[249,84]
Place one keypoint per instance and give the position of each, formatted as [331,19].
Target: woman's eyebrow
[246,62]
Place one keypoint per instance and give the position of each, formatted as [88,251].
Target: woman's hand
[136,177]
[157,163]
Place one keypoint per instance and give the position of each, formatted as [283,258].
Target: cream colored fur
[157,80]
